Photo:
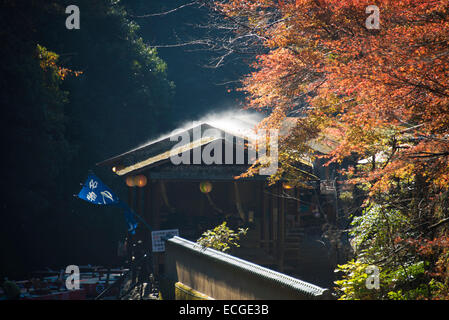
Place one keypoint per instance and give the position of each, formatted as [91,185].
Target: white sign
[159,237]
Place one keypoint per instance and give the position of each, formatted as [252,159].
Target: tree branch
[165,12]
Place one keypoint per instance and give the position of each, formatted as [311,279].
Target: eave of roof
[158,151]
[166,155]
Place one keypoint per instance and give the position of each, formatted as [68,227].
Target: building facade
[172,186]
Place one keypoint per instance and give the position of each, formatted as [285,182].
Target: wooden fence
[194,272]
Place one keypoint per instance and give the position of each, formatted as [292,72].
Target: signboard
[327,187]
[159,237]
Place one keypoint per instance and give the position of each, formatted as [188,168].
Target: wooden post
[131,197]
[265,235]
[156,195]
[278,226]
[155,205]
[139,232]
[146,214]
[262,219]
[281,224]
[297,207]
[130,241]
[274,222]
[139,201]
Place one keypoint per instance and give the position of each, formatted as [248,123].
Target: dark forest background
[116,92]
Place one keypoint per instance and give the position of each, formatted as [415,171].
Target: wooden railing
[221,276]
[140,272]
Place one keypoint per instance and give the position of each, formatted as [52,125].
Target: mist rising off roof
[236,122]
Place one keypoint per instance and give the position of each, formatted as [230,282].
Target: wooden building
[196,195]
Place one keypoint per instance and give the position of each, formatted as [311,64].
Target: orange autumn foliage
[384,92]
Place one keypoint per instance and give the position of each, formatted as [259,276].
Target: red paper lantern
[130,181]
[140,181]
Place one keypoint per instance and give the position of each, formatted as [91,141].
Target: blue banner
[96,192]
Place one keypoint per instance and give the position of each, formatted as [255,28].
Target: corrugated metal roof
[281,278]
